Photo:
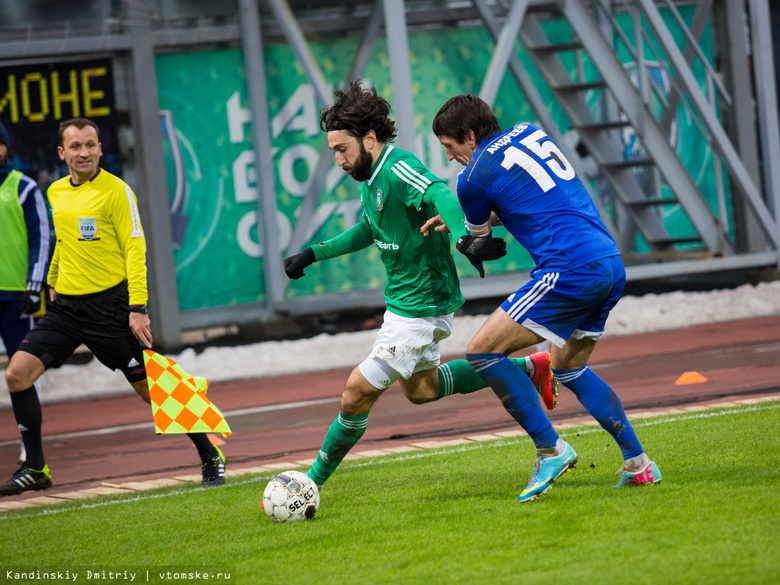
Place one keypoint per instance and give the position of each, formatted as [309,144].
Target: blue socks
[517,394]
[521,400]
[604,405]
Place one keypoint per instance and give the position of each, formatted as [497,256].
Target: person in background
[25,251]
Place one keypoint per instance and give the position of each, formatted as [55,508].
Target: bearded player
[399,194]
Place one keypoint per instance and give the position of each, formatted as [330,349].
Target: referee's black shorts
[100,321]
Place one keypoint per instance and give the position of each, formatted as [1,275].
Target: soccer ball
[291,496]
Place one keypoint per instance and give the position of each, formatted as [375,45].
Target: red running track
[111,440]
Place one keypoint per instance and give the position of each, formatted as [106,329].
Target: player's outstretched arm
[355,238]
[449,214]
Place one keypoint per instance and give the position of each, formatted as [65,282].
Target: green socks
[455,377]
[458,377]
[342,436]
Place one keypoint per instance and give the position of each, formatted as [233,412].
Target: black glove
[31,301]
[294,265]
[479,249]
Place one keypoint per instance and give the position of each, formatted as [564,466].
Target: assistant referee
[98,290]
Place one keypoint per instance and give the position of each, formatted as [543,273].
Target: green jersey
[397,200]
[13,268]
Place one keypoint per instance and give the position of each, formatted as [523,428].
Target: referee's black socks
[205,449]
[27,410]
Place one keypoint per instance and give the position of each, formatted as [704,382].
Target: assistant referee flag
[179,403]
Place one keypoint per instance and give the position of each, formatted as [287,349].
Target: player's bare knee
[478,345]
[11,380]
[422,386]
[421,397]
[563,363]
[568,358]
[357,400]
[419,393]
[17,379]
[348,403]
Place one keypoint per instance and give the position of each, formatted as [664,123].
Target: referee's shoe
[213,469]
[26,478]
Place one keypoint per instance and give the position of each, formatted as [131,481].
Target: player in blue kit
[522,177]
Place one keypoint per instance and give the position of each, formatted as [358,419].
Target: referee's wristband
[138,309]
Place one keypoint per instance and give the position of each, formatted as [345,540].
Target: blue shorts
[575,303]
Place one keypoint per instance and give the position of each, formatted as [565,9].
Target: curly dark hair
[463,113]
[357,111]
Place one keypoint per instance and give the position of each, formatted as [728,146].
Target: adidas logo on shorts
[133,362]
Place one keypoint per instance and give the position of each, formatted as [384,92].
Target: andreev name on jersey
[506,138]
[384,246]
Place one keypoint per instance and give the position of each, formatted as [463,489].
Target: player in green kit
[399,194]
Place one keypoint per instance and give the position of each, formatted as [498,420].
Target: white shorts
[411,344]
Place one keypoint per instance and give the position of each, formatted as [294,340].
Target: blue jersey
[522,176]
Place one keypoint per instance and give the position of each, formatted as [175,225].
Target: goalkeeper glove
[294,265]
[478,249]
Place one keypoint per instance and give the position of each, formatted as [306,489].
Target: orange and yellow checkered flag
[179,403]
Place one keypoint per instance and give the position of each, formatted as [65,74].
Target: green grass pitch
[447,516]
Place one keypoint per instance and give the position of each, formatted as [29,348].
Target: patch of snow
[632,315]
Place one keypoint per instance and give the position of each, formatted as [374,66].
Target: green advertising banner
[213,179]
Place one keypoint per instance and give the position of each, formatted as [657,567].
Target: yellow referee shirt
[100,241]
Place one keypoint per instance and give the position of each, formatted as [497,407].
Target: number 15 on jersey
[552,159]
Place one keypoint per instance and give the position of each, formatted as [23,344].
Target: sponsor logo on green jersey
[386,246]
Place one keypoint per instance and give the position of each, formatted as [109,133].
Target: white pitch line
[150,425]
[383,460]
[283,406]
